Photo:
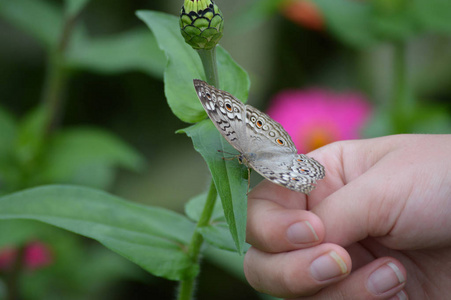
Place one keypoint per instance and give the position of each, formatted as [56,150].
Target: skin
[385,204]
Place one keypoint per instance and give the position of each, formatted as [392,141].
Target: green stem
[55,84]
[186,288]
[401,102]
[208,58]
[53,91]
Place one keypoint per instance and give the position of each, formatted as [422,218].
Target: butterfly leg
[248,180]
[233,156]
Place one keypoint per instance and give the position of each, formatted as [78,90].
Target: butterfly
[263,144]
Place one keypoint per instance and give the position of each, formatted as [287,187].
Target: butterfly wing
[272,153]
[265,134]
[263,143]
[300,173]
[226,112]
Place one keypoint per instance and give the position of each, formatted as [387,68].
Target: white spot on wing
[209,105]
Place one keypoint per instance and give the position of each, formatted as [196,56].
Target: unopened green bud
[201,23]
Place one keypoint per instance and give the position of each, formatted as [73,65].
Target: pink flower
[36,255]
[316,117]
[7,257]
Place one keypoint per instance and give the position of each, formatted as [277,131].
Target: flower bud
[201,23]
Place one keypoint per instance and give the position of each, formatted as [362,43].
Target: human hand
[384,209]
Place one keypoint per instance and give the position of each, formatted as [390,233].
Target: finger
[278,194]
[273,228]
[360,195]
[345,161]
[383,278]
[360,209]
[296,273]
[386,191]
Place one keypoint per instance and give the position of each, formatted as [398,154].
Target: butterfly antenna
[222,151]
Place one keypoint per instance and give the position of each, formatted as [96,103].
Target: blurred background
[326,70]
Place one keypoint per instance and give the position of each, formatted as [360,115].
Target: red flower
[7,257]
[303,12]
[316,117]
[36,255]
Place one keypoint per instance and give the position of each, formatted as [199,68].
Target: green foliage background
[116,116]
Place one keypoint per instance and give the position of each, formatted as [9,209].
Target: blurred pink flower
[36,255]
[7,257]
[316,117]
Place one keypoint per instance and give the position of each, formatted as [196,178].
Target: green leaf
[362,23]
[433,15]
[154,238]
[430,119]
[394,27]
[7,133]
[9,172]
[253,14]
[231,263]
[380,124]
[217,232]
[232,78]
[195,206]
[30,135]
[41,19]
[19,231]
[229,177]
[184,65]
[393,20]
[218,235]
[74,7]
[86,156]
[228,261]
[80,269]
[350,21]
[131,50]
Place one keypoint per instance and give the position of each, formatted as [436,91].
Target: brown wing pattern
[263,126]
[223,109]
[262,142]
[300,174]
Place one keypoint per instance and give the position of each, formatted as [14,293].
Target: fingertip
[277,220]
[383,278]
[302,233]
[330,265]
[401,295]
[296,273]
[272,228]
[277,194]
[386,276]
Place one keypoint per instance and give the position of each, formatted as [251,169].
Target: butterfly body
[262,142]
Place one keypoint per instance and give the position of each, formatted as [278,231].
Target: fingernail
[385,278]
[400,296]
[328,266]
[302,233]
